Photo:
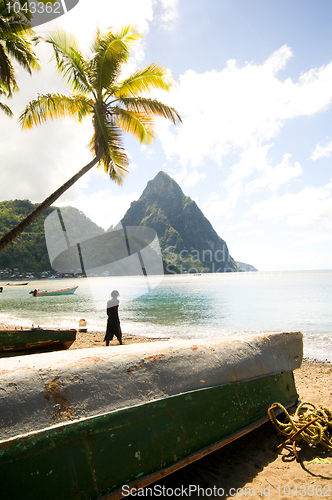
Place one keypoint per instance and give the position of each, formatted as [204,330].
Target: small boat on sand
[50,293]
[14,342]
[82,424]
[17,284]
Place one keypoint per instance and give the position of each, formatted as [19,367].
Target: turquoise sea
[188,306]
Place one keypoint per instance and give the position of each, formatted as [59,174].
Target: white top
[112,302]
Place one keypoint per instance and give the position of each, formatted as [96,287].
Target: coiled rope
[309,424]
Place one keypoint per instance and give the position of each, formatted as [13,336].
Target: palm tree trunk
[29,219]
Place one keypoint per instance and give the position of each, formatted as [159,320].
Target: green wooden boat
[35,340]
[83,424]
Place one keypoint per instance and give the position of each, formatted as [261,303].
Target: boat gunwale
[26,330]
[74,422]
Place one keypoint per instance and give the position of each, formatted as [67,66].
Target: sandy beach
[250,467]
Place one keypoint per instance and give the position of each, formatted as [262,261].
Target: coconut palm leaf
[52,106]
[22,54]
[7,73]
[144,81]
[111,51]
[107,138]
[6,109]
[136,124]
[151,107]
[69,60]
[15,31]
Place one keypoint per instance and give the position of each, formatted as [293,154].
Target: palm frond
[151,107]
[69,60]
[111,50]
[24,13]
[6,109]
[152,77]
[7,73]
[54,106]
[128,36]
[22,51]
[15,31]
[107,138]
[136,124]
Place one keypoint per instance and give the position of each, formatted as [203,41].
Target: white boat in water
[48,293]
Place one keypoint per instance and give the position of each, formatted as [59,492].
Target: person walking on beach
[113,321]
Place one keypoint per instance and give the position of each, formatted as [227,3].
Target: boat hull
[54,293]
[98,455]
[97,419]
[35,340]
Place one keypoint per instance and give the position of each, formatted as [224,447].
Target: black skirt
[113,328]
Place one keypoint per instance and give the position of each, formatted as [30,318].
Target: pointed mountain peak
[187,239]
[163,185]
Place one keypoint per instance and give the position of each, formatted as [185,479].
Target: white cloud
[222,209]
[111,14]
[170,13]
[188,180]
[103,207]
[253,162]
[244,224]
[312,238]
[240,107]
[83,20]
[310,207]
[322,151]
[273,177]
[36,162]
[254,158]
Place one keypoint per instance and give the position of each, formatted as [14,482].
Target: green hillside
[28,252]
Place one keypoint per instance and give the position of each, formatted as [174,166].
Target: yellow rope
[309,424]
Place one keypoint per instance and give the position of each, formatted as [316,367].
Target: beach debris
[309,424]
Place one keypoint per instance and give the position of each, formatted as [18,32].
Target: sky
[252,81]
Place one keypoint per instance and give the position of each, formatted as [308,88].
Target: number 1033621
[35,7]
[312,490]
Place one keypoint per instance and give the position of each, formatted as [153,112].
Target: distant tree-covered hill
[28,252]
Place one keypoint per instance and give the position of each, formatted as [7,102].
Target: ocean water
[188,306]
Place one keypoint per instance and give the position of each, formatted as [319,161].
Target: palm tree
[115,105]
[15,34]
